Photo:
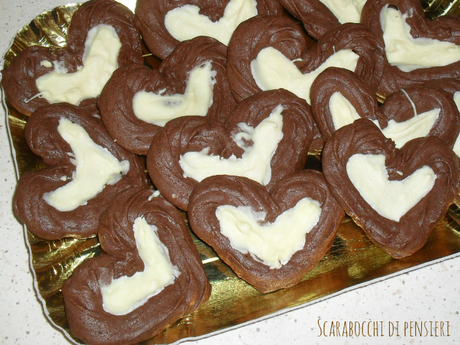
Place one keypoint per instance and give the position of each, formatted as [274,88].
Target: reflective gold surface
[438,8]
[352,260]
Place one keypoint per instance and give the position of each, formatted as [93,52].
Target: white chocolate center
[342,111]
[408,53]
[255,161]
[95,168]
[125,294]
[391,199]
[186,22]
[158,109]
[274,243]
[418,126]
[99,62]
[272,70]
[346,11]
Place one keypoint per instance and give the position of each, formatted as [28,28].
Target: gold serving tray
[352,260]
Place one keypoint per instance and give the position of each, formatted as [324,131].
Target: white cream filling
[342,111]
[419,126]
[272,70]
[391,199]
[95,168]
[131,4]
[99,62]
[255,161]
[125,294]
[186,22]
[408,53]
[158,109]
[275,243]
[346,11]
[46,63]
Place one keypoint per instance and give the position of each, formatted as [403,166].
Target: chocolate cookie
[417,49]
[85,169]
[148,276]
[265,138]
[339,97]
[165,23]
[320,16]
[270,239]
[77,72]
[271,52]
[433,113]
[396,195]
[138,101]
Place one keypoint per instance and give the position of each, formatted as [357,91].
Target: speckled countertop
[428,294]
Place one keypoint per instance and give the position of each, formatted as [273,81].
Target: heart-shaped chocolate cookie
[321,16]
[425,111]
[417,49]
[85,170]
[271,52]
[138,101]
[165,23]
[148,276]
[270,239]
[396,195]
[339,97]
[265,138]
[101,38]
